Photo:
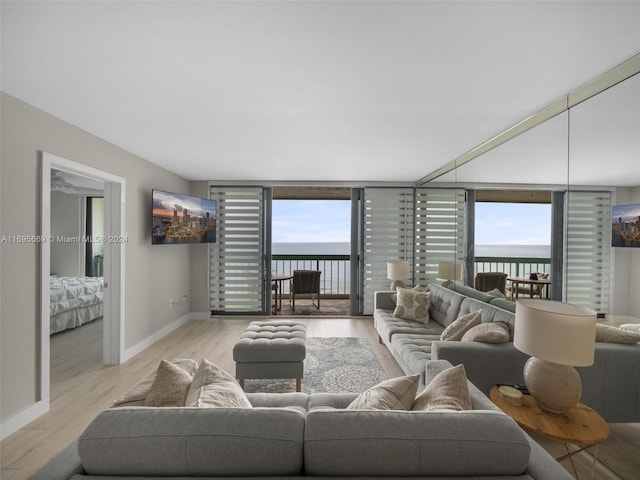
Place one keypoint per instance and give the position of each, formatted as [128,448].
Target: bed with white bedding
[74,301]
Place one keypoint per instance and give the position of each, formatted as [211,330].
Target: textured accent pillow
[394,394]
[611,334]
[137,394]
[412,305]
[457,329]
[215,388]
[496,293]
[417,288]
[169,388]
[489,332]
[447,391]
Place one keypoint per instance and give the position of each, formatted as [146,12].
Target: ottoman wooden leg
[298,384]
[241,382]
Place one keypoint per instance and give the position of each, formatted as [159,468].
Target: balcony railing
[512,266]
[336,270]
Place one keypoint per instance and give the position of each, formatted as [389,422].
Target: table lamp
[398,271]
[558,336]
[450,270]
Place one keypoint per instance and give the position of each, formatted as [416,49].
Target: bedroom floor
[81,386]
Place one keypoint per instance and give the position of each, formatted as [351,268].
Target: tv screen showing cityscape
[625,226]
[181,218]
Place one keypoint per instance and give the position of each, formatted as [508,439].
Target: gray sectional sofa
[298,435]
[611,385]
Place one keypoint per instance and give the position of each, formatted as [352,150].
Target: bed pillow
[412,305]
[457,329]
[489,332]
[394,394]
[214,388]
[448,390]
[611,334]
[169,388]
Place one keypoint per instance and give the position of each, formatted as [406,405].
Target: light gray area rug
[333,364]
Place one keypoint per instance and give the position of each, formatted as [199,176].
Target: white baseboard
[200,315]
[147,342]
[22,418]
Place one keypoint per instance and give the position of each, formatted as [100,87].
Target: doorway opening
[311,230]
[54,172]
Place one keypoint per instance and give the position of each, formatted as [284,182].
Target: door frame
[114,267]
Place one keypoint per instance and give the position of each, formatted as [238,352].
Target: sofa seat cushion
[414,350]
[387,325]
[359,442]
[141,441]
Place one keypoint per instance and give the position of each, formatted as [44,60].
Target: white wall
[153,273]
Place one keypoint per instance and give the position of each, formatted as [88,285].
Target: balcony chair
[305,282]
[487,281]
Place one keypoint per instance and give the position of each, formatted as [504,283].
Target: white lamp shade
[398,270]
[450,270]
[554,331]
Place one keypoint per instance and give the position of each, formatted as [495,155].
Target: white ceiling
[311,90]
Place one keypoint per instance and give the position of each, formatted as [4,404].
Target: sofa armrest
[486,364]
[63,466]
[382,300]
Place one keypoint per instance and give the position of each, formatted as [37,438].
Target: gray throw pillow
[457,329]
[448,390]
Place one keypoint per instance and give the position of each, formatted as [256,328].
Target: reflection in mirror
[508,209]
[603,171]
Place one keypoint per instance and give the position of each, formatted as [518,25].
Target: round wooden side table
[580,425]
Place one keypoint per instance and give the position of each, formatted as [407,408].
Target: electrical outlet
[171,303]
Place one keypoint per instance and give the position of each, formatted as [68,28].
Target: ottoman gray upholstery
[271,349]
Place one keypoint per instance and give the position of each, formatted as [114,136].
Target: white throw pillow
[611,334]
[448,390]
[412,305]
[457,329]
[213,387]
[488,332]
[394,394]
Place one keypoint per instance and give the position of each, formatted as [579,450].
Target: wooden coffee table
[580,425]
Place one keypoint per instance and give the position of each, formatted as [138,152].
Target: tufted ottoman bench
[271,349]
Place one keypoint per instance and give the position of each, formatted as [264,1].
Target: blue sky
[513,224]
[298,221]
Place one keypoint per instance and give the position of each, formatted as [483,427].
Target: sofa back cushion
[445,304]
[490,313]
[394,443]
[193,442]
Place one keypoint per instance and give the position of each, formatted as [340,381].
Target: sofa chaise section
[611,386]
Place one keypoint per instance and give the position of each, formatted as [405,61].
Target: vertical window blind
[388,235]
[587,249]
[440,230]
[236,272]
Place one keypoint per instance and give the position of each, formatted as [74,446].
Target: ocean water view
[343,248]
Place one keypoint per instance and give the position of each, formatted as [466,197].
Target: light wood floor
[81,387]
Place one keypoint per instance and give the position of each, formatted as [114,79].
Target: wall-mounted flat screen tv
[625,226]
[179,218]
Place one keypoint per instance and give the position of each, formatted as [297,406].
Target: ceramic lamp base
[395,284]
[555,387]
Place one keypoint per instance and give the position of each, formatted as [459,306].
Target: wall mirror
[593,146]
